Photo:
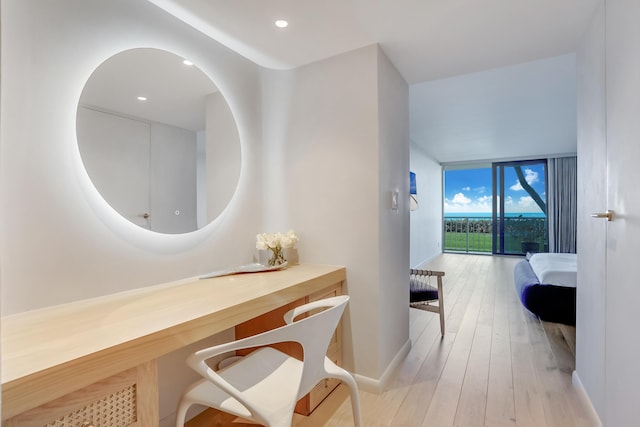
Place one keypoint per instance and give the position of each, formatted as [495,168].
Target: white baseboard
[428,260]
[575,380]
[377,386]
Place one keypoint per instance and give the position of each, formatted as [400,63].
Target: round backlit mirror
[158,140]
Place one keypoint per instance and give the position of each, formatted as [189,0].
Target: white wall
[393,245]
[60,241]
[326,142]
[591,295]
[426,221]
[322,160]
[222,155]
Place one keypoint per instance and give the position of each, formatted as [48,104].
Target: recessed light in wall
[187,62]
[281,23]
[142,98]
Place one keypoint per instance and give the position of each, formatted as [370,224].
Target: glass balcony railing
[468,234]
[475,235]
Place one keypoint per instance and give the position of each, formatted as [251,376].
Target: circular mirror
[158,140]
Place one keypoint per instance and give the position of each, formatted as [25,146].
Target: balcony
[475,235]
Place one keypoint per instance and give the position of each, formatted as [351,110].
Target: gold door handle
[608,215]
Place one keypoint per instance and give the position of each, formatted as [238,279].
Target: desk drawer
[326,386]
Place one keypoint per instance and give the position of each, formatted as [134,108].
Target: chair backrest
[314,333]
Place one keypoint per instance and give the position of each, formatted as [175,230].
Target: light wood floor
[494,367]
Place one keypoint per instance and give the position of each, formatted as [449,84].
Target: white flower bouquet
[276,243]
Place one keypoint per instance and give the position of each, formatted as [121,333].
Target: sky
[470,190]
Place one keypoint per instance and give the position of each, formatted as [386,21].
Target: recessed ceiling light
[281,23]
[142,98]
[187,62]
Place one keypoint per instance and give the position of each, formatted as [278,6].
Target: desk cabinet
[274,319]
[127,399]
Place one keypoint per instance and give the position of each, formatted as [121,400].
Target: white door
[622,343]
[115,153]
[592,198]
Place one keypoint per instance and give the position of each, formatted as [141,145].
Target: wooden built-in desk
[55,351]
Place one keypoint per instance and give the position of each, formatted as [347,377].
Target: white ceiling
[426,40]
[521,111]
[176,93]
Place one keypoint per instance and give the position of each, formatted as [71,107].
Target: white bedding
[555,269]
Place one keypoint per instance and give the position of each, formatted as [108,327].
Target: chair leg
[441,305]
[355,401]
[348,379]
[181,414]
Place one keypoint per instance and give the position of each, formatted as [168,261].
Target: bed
[546,285]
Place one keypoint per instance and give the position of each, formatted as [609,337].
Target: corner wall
[393,245]
[335,154]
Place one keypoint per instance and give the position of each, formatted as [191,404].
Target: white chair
[265,385]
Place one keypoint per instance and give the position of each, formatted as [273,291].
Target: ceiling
[175,93]
[518,112]
[427,40]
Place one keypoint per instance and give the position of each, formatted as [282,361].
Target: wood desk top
[50,352]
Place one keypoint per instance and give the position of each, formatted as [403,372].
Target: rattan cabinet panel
[117,401]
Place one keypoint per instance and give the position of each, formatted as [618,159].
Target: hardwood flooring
[494,367]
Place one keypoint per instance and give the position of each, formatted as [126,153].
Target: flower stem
[277,256]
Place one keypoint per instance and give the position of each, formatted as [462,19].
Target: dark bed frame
[549,302]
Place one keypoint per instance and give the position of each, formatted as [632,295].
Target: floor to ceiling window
[496,208]
[520,207]
[467,208]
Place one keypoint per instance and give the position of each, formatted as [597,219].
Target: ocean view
[468,206]
[488,215]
